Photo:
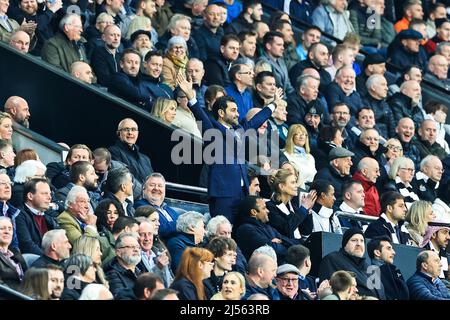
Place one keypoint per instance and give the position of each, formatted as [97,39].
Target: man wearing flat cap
[337,172]
[405,50]
[287,283]
[351,258]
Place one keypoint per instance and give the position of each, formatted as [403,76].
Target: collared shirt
[8,256]
[394,227]
[35,211]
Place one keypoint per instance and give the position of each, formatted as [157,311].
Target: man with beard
[436,239]
[56,249]
[228,181]
[55,281]
[217,67]
[340,117]
[141,41]
[405,134]
[122,272]
[351,258]
[290,54]
[67,46]
[82,173]
[104,59]
[248,44]
[154,193]
[252,11]
[273,44]
[318,57]
[19,110]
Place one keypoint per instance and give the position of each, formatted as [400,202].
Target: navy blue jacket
[252,234]
[216,71]
[176,246]
[121,280]
[402,107]
[28,233]
[381,227]
[395,286]
[296,71]
[129,89]
[271,292]
[404,59]
[167,228]
[138,163]
[334,95]
[421,287]
[155,88]
[332,175]
[301,10]
[384,117]
[225,178]
[411,151]
[208,42]
[11,213]
[104,65]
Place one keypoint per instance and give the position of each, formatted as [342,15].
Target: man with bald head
[318,56]
[342,90]
[438,71]
[368,171]
[405,134]
[104,59]
[126,151]
[426,142]
[18,109]
[377,91]
[20,40]
[426,181]
[82,71]
[406,102]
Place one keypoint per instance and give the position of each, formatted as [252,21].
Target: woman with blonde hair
[175,60]
[195,266]
[233,287]
[165,110]
[6,128]
[419,215]
[90,246]
[297,151]
[401,174]
[394,150]
[289,219]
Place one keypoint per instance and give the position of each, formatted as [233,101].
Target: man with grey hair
[342,90]
[406,102]
[77,219]
[377,90]
[438,71]
[119,189]
[426,181]
[56,247]
[443,49]
[191,231]
[261,272]
[425,283]
[126,151]
[220,226]
[426,142]
[307,90]
[122,272]
[17,107]
[153,194]
[6,209]
[179,25]
[20,40]
[67,46]
[368,171]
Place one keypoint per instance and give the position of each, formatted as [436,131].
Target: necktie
[397,232]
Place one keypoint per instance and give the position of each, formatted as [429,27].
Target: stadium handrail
[11,294]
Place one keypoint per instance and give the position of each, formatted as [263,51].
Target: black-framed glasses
[395,148]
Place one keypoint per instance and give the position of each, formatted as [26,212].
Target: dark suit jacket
[8,273]
[225,178]
[28,233]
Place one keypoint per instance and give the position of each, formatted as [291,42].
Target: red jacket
[372,199]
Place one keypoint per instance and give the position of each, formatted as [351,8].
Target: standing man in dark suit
[228,182]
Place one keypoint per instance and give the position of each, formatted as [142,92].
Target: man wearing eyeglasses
[67,46]
[126,151]
[7,209]
[287,283]
[241,76]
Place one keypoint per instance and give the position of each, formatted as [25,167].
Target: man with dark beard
[82,173]
[55,281]
[18,108]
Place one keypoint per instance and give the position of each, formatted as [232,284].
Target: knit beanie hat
[350,233]
[176,40]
